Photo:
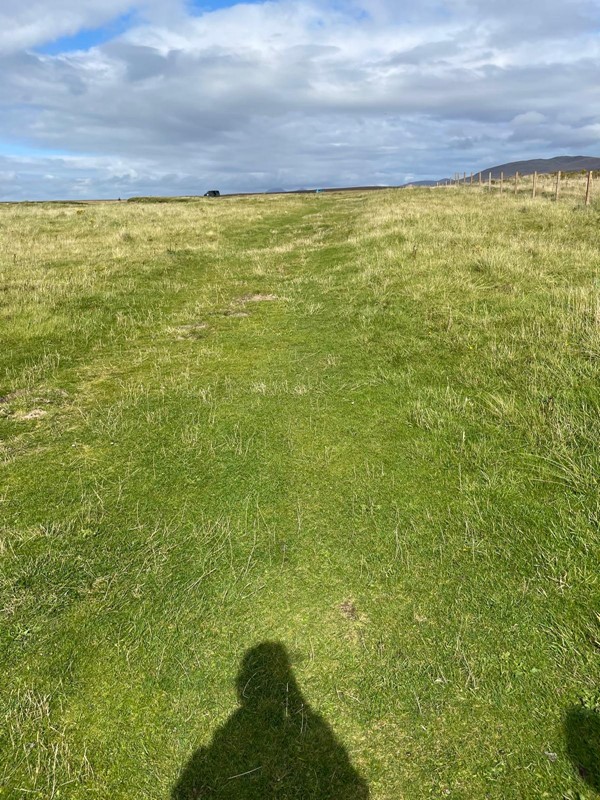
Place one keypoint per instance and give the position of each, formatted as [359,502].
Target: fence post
[534,191]
[490,181]
[471,179]
[480,179]
[588,190]
[557,195]
[501,183]
[516,182]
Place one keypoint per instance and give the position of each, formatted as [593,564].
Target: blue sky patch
[86,39]
[200,6]
[20,149]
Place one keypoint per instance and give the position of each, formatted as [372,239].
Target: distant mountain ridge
[540,165]
[543,165]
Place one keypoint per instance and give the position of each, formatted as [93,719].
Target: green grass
[358,431]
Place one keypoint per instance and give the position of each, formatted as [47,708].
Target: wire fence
[554,186]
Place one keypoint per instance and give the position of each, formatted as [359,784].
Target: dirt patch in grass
[348,610]
[35,413]
[231,313]
[257,298]
[237,305]
[19,403]
[9,398]
[195,330]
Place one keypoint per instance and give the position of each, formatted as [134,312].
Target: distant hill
[419,183]
[544,165]
[325,189]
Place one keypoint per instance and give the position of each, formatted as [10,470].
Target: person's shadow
[582,730]
[273,746]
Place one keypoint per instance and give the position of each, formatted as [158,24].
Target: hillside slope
[544,165]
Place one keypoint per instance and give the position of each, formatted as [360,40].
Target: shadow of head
[266,676]
[273,745]
[582,730]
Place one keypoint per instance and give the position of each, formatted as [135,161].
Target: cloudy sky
[109,98]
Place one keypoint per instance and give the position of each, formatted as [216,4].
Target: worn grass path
[363,426]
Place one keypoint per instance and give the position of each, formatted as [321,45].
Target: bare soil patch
[194,330]
[36,413]
[18,403]
[348,610]
[257,298]
[11,397]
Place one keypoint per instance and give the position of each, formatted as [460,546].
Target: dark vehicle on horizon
[213,193]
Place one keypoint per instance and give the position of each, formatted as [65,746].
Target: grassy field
[299,498]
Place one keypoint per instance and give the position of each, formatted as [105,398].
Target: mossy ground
[364,426]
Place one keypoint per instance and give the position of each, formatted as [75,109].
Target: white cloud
[529,118]
[35,22]
[297,93]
